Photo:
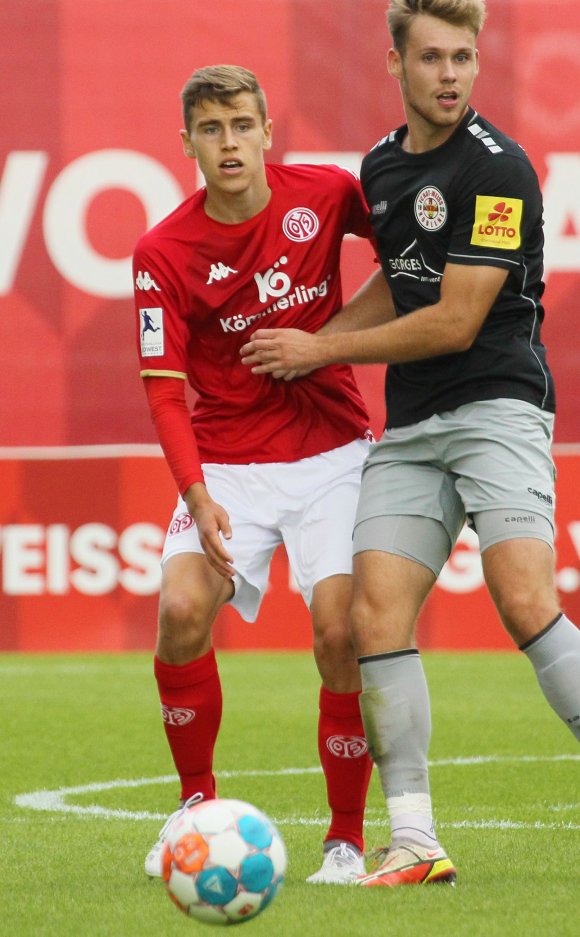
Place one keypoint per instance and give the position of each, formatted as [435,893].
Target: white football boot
[342,864]
[153,860]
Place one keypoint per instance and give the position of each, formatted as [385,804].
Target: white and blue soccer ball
[223,861]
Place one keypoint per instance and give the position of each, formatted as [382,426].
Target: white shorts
[308,505]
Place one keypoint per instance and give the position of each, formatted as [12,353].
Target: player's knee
[183,621]
[333,643]
[525,612]
[336,660]
[367,623]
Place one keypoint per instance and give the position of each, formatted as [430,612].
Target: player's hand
[284,353]
[290,374]
[213,526]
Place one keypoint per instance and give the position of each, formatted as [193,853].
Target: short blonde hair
[401,13]
[220,83]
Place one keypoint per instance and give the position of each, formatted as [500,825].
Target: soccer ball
[223,861]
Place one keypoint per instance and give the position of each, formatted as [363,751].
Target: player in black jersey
[456,313]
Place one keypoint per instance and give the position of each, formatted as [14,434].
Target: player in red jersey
[260,461]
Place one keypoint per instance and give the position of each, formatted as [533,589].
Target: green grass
[511,823]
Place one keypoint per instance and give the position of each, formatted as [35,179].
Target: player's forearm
[425,333]
[172,422]
[371,305]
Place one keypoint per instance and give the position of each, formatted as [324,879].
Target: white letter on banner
[561,206]
[23,559]
[19,188]
[140,545]
[98,571]
[67,205]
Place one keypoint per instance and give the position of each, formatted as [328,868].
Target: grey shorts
[487,463]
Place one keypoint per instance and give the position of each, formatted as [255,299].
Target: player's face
[228,142]
[436,72]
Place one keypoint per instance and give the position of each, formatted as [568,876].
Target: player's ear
[394,64]
[188,147]
[267,134]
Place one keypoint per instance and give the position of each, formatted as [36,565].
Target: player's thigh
[519,574]
[388,592]
[407,507]
[253,540]
[191,590]
[191,594]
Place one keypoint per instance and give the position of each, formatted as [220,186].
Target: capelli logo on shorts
[546,499]
[521,519]
[347,746]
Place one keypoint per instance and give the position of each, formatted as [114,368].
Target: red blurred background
[90,156]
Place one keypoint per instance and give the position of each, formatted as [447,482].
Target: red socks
[191,707]
[346,764]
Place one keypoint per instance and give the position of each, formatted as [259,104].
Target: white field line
[55,801]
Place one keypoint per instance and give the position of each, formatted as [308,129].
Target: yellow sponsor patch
[497,222]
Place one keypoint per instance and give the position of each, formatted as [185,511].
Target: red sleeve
[170,415]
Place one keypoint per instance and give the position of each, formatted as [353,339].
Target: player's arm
[371,305]
[450,325]
[170,415]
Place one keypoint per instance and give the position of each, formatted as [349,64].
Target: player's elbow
[463,341]
[462,334]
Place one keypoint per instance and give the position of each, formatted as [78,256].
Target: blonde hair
[220,83]
[401,13]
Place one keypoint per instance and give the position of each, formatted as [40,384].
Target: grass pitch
[87,779]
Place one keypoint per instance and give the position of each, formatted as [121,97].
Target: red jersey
[202,288]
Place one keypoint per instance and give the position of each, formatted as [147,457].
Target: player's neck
[422,135]
[236,207]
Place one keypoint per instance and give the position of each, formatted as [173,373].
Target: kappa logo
[300,224]
[347,746]
[219,272]
[176,716]
[144,281]
[430,208]
[497,222]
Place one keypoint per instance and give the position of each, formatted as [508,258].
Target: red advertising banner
[90,156]
[81,537]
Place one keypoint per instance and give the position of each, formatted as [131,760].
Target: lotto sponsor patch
[497,222]
[151,331]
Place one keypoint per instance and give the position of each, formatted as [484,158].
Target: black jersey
[474,200]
